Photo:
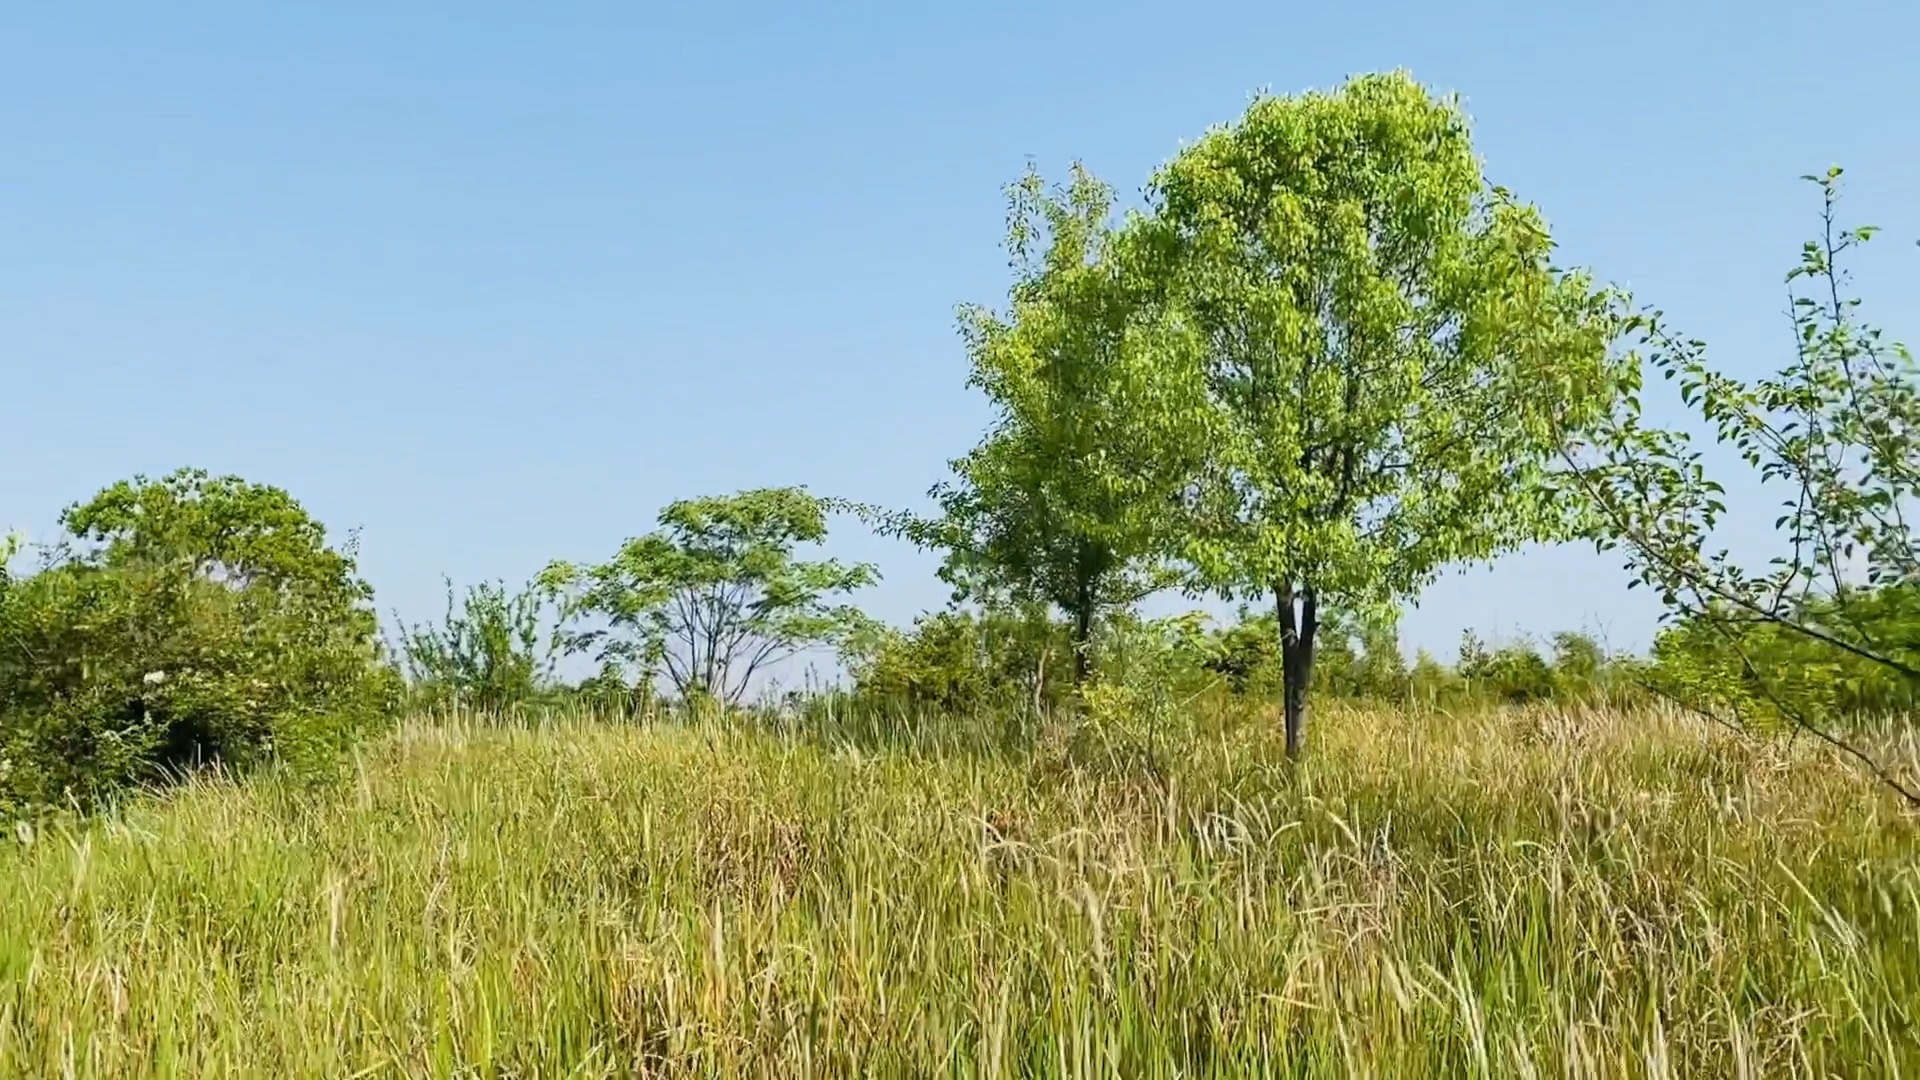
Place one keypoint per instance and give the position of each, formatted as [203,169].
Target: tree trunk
[1083,638]
[1297,631]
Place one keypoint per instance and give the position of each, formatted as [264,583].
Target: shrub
[1353,660]
[1823,635]
[966,662]
[1434,684]
[611,692]
[1765,673]
[200,621]
[487,653]
[1140,705]
[1515,672]
[1361,662]
[1247,654]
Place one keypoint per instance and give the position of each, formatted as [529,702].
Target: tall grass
[1499,894]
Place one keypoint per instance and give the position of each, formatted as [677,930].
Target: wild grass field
[578,827]
[1502,893]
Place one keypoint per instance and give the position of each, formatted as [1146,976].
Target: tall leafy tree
[1068,499]
[715,595]
[1391,359]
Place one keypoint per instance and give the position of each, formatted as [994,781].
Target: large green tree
[715,595]
[1391,359]
[1100,410]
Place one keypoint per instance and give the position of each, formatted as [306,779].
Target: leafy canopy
[1070,497]
[201,619]
[221,529]
[715,595]
[1097,400]
[1390,357]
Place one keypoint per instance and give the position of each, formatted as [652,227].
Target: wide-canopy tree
[1391,360]
[715,596]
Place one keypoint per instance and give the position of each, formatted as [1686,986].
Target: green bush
[1514,673]
[611,692]
[1767,673]
[1434,684]
[966,662]
[1141,704]
[199,621]
[1351,661]
[1361,663]
[1247,654]
[487,654]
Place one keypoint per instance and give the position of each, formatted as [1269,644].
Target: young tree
[1392,361]
[488,652]
[1069,498]
[1830,627]
[715,595]
[10,544]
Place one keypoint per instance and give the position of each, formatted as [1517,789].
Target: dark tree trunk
[1083,637]
[1297,631]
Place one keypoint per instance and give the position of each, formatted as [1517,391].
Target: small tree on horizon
[714,596]
[489,651]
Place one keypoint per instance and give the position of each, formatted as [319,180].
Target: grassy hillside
[1498,895]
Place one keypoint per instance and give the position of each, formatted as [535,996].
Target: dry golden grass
[1501,894]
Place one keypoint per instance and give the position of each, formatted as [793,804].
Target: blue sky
[492,282]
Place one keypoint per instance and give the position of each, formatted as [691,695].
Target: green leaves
[1826,631]
[1071,498]
[1329,360]
[1387,361]
[486,653]
[1389,357]
[715,595]
[224,529]
[207,620]
[10,545]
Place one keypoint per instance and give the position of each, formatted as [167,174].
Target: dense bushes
[494,654]
[195,620]
[1772,674]
[189,620]
[967,661]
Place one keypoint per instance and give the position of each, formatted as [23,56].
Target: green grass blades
[1502,894]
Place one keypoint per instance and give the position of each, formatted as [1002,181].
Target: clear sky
[494,282]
